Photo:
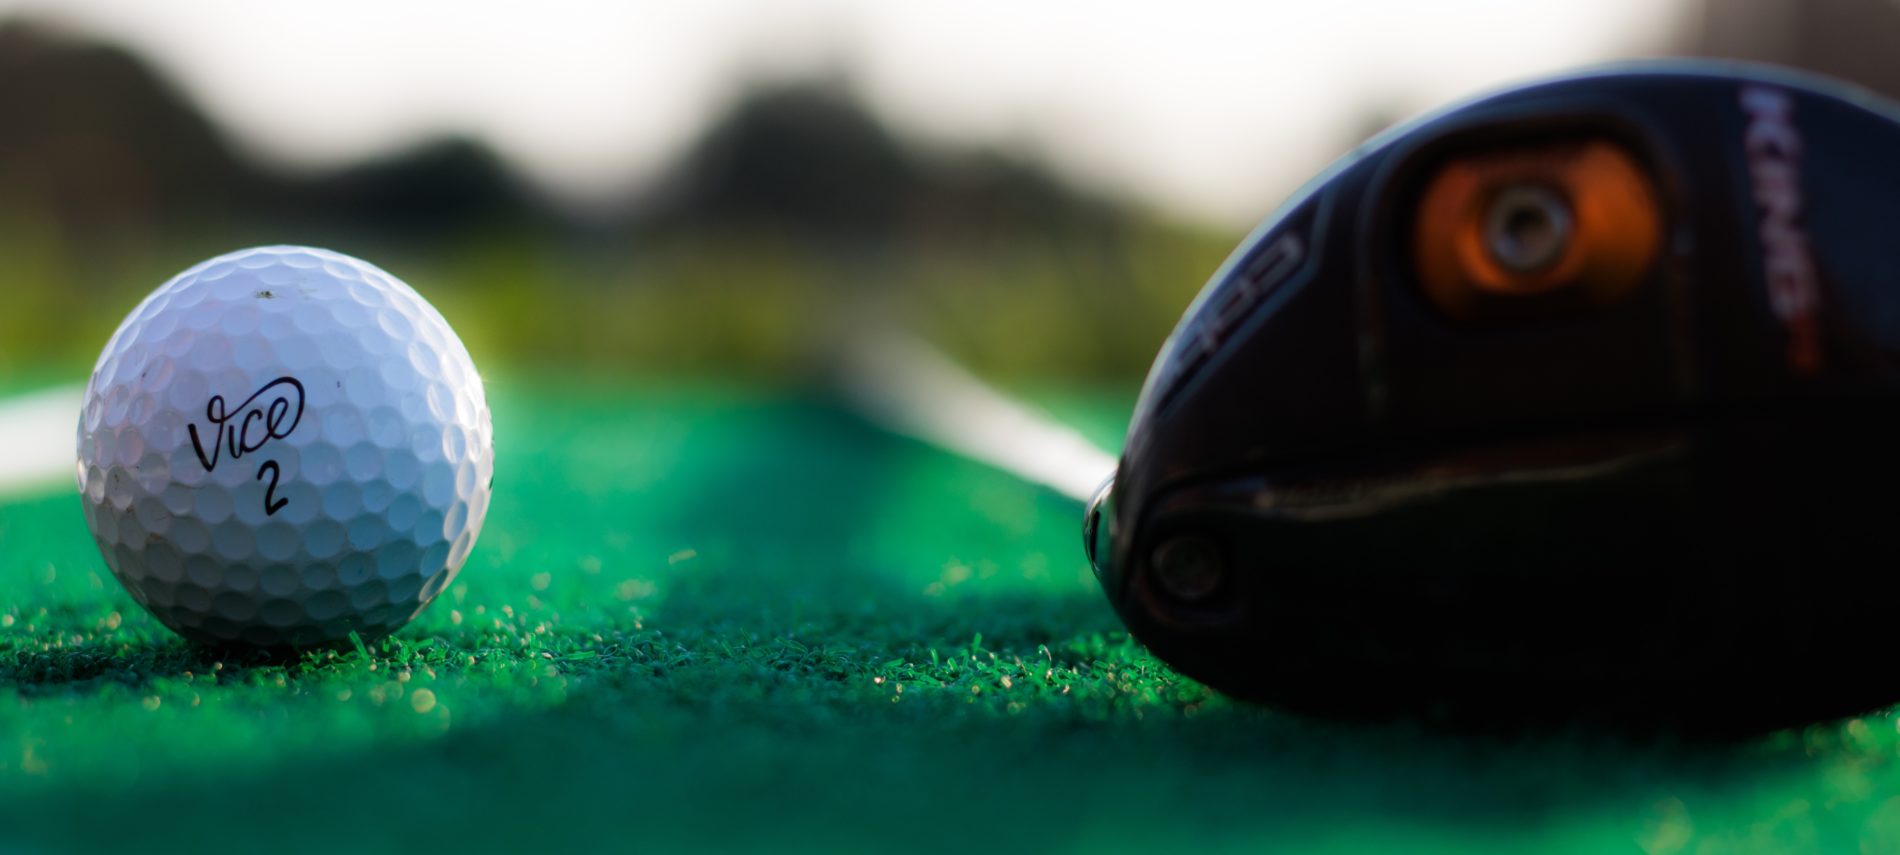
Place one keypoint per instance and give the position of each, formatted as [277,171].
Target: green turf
[707,618]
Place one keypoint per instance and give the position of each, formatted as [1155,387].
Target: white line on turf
[36,437]
[907,387]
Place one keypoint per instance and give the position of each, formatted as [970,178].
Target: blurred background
[721,188]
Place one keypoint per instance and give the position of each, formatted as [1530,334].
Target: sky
[1213,110]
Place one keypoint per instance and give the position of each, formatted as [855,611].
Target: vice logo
[272,412]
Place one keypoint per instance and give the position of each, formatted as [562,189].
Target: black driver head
[1576,402]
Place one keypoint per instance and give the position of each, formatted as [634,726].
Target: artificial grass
[712,618]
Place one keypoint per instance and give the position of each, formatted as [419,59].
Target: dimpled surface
[282,446]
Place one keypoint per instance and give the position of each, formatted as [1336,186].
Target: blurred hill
[797,216]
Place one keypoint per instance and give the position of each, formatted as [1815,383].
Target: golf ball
[282,446]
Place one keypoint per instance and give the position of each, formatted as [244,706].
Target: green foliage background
[734,304]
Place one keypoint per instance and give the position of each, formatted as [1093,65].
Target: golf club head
[1576,402]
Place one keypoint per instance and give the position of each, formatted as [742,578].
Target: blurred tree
[801,158]
[443,189]
[807,160]
[1856,40]
[95,140]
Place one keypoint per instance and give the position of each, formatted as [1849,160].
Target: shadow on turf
[756,770]
[643,773]
[90,665]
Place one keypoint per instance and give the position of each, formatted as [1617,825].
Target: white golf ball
[282,446]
